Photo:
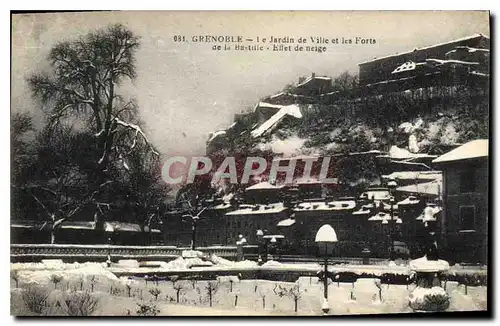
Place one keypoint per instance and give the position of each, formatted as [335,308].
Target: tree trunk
[178,296]
[53,236]
[296,304]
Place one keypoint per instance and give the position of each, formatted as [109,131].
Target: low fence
[81,253]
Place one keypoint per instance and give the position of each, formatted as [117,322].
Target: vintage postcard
[246,163]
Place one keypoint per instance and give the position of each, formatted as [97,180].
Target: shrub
[35,299]
[81,304]
[54,278]
[433,299]
[114,291]
[436,302]
[147,309]
[14,274]
[155,292]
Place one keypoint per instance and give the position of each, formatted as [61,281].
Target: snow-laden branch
[138,131]
[99,133]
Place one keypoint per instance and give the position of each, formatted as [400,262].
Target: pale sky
[189,88]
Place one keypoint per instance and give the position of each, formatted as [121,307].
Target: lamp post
[392,185]
[325,238]
[260,235]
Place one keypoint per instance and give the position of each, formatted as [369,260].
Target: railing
[67,252]
[37,252]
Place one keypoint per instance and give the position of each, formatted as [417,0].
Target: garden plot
[226,295]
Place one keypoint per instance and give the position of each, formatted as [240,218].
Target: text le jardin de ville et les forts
[272,43]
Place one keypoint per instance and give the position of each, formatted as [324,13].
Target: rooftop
[259,209]
[425,48]
[291,110]
[473,149]
[263,185]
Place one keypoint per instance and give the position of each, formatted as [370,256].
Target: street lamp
[260,236]
[325,238]
[392,185]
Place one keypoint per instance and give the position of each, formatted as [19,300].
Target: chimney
[313,75]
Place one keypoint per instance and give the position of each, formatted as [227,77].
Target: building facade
[465,200]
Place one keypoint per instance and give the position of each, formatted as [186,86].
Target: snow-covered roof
[311,78]
[362,211]
[276,236]
[263,185]
[121,226]
[259,209]
[388,206]
[337,205]
[221,206]
[411,200]
[428,214]
[446,62]
[277,95]
[308,181]
[216,134]
[267,105]
[477,73]
[376,194]
[404,154]
[427,188]
[298,157]
[425,48]
[469,49]
[414,175]
[227,198]
[291,110]
[408,66]
[473,149]
[380,217]
[287,222]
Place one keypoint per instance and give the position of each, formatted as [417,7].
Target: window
[467,181]
[467,218]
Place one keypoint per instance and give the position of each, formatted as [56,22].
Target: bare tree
[155,292]
[211,288]
[56,279]
[293,292]
[84,84]
[262,294]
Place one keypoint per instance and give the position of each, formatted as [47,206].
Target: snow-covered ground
[233,297]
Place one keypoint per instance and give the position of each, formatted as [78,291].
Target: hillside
[428,120]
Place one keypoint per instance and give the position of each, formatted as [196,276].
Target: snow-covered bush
[147,309]
[433,299]
[14,274]
[81,303]
[35,299]
[55,278]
